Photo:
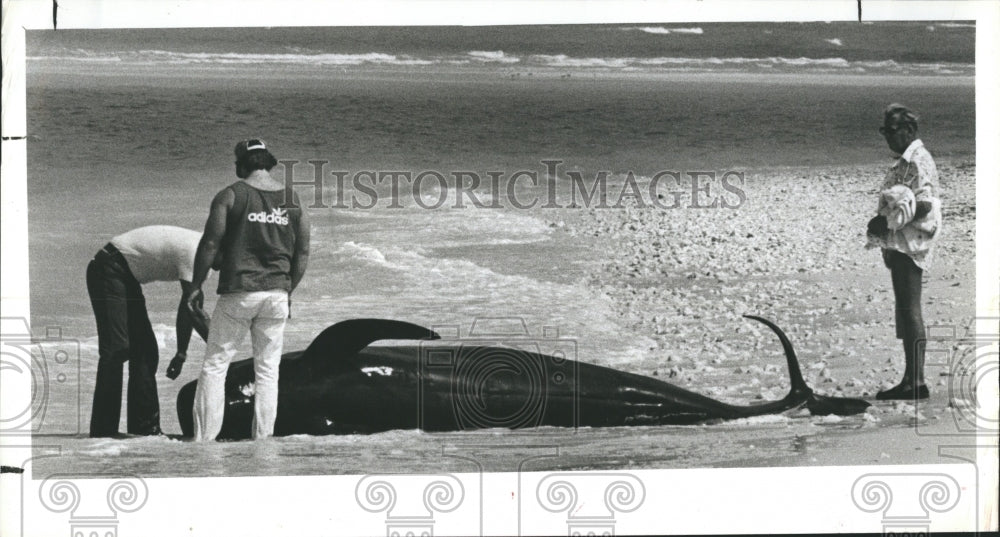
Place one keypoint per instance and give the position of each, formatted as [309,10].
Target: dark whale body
[339,385]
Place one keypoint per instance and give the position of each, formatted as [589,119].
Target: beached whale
[340,385]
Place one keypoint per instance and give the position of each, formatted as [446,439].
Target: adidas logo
[277,216]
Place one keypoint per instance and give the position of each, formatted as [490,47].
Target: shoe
[907,392]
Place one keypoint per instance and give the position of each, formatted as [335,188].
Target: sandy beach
[793,252]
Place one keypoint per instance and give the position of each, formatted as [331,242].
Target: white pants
[263,314]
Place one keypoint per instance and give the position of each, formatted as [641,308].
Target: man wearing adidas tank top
[263,242]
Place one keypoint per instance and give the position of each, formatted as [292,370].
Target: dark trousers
[124,334]
[907,284]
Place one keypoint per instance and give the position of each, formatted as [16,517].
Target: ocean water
[882,47]
[132,128]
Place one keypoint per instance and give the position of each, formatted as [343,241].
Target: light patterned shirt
[916,170]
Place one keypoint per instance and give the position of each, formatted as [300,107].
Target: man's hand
[195,302]
[878,226]
[195,299]
[923,209]
[200,322]
[174,369]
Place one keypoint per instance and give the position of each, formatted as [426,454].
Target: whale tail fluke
[819,405]
[799,386]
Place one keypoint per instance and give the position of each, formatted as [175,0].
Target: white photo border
[765,500]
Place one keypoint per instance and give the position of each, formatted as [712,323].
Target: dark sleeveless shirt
[259,241]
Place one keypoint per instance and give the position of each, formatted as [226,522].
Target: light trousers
[262,314]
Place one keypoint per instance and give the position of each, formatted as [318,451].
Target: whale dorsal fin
[347,338]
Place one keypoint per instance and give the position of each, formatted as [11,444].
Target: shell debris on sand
[793,252]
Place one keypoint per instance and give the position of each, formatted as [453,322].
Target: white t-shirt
[159,253]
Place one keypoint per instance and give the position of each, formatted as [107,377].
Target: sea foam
[660,30]
[501,58]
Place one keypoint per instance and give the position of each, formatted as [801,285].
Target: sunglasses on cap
[889,130]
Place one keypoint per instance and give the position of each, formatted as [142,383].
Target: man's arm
[208,247]
[185,322]
[301,256]
[923,186]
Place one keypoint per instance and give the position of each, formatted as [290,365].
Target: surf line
[522,189]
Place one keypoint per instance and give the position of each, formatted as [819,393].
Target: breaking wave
[501,58]
[660,30]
